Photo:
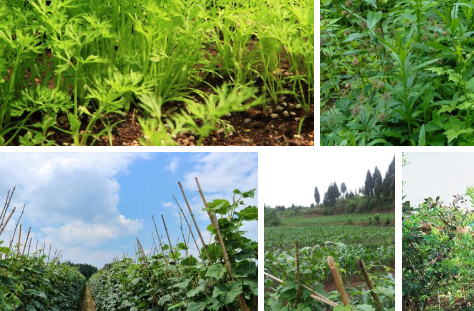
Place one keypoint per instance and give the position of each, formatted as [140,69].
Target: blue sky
[93,206]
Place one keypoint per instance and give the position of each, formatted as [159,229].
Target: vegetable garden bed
[171,72]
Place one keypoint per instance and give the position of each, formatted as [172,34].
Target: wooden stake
[338,280]
[159,238]
[171,245]
[243,304]
[314,295]
[195,224]
[361,265]
[8,219]
[189,226]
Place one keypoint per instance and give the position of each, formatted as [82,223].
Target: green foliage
[271,218]
[189,283]
[314,270]
[396,73]
[86,270]
[32,283]
[284,237]
[94,61]
[436,260]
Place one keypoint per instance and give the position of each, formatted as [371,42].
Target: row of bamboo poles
[337,280]
[21,252]
[172,259]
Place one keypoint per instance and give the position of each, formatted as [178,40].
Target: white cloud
[168,204]
[71,198]
[173,165]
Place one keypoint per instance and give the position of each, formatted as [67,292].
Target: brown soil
[87,302]
[254,127]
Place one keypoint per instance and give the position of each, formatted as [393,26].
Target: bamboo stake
[195,224]
[366,276]
[8,219]
[5,208]
[338,280]
[243,304]
[29,245]
[24,247]
[182,233]
[298,276]
[171,246]
[314,295]
[16,226]
[18,245]
[7,204]
[159,238]
[49,253]
[189,226]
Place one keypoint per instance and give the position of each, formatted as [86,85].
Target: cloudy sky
[432,174]
[93,206]
[291,177]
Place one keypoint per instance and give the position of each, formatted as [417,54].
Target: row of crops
[29,280]
[222,276]
[299,274]
[285,237]
[78,68]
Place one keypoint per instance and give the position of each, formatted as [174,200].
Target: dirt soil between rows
[87,301]
[254,127]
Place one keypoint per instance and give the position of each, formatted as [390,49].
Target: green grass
[92,59]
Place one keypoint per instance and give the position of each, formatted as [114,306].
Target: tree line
[377,193]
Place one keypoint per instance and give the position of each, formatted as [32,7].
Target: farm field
[150,72]
[224,275]
[396,72]
[367,219]
[374,245]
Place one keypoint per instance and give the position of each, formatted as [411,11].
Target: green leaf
[424,65]
[355,36]
[215,271]
[422,140]
[196,306]
[373,19]
[249,213]
[341,307]
[227,293]
[453,134]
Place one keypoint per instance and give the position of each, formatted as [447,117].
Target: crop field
[32,277]
[302,220]
[149,72]
[305,264]
[222,275]
[285,237]
[220,278]
[397,72]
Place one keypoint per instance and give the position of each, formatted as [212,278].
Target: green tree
[316,195]
[389,181]
[331,195]
[343,189]
[369,184]
[378,183]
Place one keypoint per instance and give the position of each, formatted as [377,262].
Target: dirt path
[87,302]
